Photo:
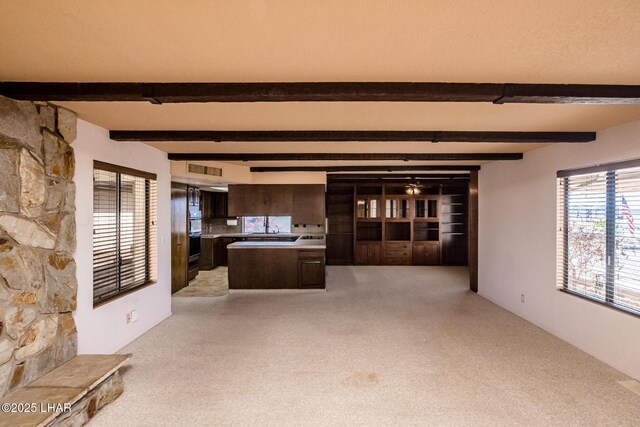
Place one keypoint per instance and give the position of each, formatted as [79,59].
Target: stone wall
[37,239]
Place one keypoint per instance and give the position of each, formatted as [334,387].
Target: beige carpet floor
[212,283]
[383,346]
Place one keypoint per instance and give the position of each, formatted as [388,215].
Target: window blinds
[598,244]
[124,230]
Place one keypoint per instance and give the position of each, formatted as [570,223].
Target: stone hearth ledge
[87,383]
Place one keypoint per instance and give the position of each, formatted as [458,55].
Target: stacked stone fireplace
[37,240]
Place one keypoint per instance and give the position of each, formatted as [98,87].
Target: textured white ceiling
[544,41]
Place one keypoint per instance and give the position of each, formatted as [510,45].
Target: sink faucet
[267,228]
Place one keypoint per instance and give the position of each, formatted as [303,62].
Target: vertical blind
[598,244]
[124,230]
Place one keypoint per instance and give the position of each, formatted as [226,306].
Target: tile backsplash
[308,229]
[220,226]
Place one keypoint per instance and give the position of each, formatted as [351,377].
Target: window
[598,244]
[266,224]
[124,230]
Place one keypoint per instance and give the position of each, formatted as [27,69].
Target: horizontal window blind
[626,291]
[598,245]
[124,232]
[105,238]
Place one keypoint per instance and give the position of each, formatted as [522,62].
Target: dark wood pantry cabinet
[179,240]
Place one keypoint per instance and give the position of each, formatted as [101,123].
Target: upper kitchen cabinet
[244,200]
[258,200]
[304,202]
[277,199]
[308,204]
[215,205]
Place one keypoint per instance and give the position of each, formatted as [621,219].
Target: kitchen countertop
[215,236]
[298,244]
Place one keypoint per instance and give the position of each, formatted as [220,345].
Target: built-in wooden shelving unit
[390,227]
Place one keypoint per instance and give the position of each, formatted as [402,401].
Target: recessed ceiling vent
[204,170]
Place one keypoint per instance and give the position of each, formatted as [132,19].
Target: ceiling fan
[413,188]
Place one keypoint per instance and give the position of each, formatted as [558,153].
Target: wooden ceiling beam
[401,179]
[158,93]
[333,169]
[340,136]
[256,157]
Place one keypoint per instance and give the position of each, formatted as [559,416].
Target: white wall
[104,329]
[231,173]
[517,247]
[238,174]
[289,177]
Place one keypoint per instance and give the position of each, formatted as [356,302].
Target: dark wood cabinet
[426,253]
[243,199]
[222,247]
[368,253]
[252,268]
[397,253]
[308,204]
[220,206]
[311,269]
[215,205]
[277,199]
[219,253]
[179,241]
[266,268]
[212,253]
[304,203]
[206,254]
[257,200]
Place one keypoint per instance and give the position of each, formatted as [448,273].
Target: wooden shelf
[398,231]
[369,231]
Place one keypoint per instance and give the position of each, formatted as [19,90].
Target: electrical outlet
[132,316]
[522,298]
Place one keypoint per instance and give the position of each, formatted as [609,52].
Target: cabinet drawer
[397,250]
[310,254]
[397,246]
[397,254]
[397,260]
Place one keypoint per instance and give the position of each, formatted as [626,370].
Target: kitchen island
[298,264]
[214,246]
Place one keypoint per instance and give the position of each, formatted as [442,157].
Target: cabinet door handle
[312,262]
